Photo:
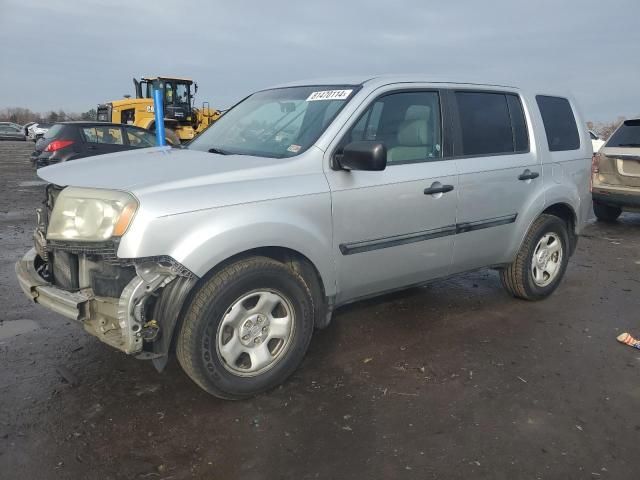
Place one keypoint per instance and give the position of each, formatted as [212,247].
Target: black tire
[518,279]
[606,213]
[197,349]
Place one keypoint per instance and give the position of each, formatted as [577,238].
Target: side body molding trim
[393,241]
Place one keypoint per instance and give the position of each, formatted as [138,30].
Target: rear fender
[552,195]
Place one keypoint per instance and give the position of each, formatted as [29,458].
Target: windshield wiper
[629,145]
[218,151]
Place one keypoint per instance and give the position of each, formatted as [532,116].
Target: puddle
[32,183]
[17,327]
[14,214]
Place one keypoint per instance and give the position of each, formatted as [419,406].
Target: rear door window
[90,135]
[103,135]
[559,123]
[485,123]
[518,124]
[627,135]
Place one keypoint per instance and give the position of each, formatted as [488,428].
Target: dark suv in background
[71,140]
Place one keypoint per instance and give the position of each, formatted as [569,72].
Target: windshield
[628,135]
[275,123]
[182,93]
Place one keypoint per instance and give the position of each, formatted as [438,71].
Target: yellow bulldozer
[182,119]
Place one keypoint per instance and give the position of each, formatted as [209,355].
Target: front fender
[201,240]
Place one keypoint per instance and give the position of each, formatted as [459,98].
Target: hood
[170,181]
[151,168]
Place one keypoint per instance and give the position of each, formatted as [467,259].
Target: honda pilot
[300,199]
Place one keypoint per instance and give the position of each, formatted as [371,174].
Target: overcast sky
[74,54]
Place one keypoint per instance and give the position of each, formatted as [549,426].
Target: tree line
[21,115]
[605,129]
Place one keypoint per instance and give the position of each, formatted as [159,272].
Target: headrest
[413,133]
[418,112]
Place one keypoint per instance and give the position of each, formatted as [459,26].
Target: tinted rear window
[559,123]
[519,124]
[53,131]
[628,135]
[491,123]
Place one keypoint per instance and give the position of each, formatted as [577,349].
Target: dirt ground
[452,380]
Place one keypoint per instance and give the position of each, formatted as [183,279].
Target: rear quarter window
[627,135]
[559,123]
[54,131]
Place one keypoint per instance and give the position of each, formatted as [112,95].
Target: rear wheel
[541,261]
[606,213]
[247,328]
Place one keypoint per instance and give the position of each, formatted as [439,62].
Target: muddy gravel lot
[452,380]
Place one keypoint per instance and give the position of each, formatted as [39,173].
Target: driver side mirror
[369,156]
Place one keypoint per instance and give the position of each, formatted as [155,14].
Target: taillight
[595,169]
[57,145]
[595,163]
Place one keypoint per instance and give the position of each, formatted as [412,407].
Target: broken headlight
[87,214]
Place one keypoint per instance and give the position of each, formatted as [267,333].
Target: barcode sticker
[329,95]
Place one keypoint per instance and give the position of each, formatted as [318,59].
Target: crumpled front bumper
[73,305]
[118,322]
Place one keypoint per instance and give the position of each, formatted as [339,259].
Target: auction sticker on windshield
[329,95]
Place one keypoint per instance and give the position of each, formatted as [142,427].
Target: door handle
[528,175]
[441,189]
[92,147]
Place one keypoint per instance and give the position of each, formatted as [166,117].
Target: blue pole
[159,112]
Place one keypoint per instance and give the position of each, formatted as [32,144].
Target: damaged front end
[131,304]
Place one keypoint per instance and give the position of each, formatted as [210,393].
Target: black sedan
[66,141]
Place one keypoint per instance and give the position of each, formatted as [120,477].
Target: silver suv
[300,199]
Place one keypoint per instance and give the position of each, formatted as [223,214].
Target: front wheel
[541,261]
[246,329]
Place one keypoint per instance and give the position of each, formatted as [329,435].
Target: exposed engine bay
[116,299]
